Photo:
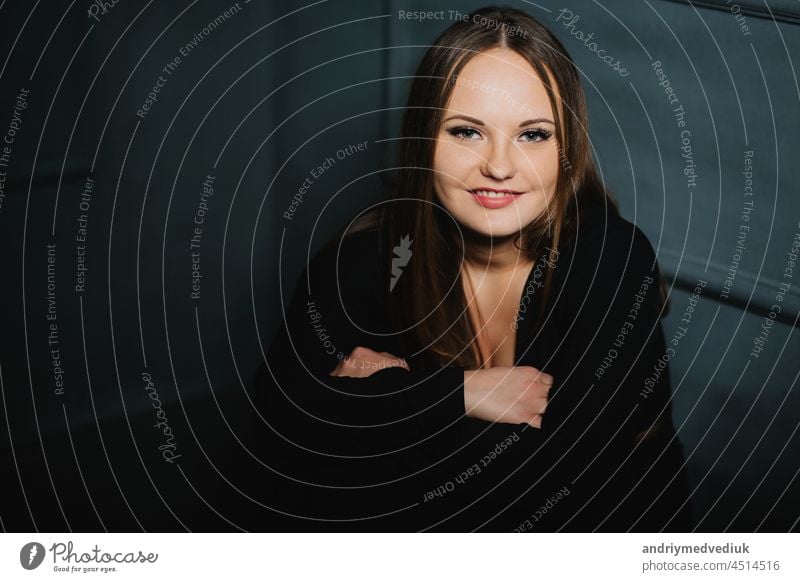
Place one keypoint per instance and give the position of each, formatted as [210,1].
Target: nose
[499,163]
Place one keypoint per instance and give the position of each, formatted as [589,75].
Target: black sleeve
[393,408]
[612,343]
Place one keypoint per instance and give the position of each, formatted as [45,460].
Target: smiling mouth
[494,198]
[494,193]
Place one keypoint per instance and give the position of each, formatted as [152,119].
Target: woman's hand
[514,394]
[363,362]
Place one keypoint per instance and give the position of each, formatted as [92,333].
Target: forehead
[500,86]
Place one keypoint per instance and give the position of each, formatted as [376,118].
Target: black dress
[395,451]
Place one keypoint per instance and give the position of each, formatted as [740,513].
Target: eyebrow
[479,122]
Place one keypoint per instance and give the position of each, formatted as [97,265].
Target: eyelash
[458,132]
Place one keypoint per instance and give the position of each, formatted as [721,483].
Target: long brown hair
[428,305]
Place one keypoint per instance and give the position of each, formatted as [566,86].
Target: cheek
[453,162]
[541,168]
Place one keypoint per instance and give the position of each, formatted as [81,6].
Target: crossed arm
[516,394]
[606,283]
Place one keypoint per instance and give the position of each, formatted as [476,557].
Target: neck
[492,254]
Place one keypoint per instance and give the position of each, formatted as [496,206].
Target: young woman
[483,350]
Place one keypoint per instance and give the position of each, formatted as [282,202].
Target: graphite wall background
[168,167]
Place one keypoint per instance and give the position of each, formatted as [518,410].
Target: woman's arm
[614,336]
[614,340]
[515,394]
[391,407]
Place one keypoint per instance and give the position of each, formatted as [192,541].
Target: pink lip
[500,202]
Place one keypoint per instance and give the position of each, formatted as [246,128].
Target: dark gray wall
[259,102]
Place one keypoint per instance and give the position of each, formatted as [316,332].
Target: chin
[500,223]
[497,227]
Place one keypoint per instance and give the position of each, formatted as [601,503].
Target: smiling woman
[503,162]
[471,312]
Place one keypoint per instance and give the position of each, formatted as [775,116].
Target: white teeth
[489,194]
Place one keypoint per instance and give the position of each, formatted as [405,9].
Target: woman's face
[496,156]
